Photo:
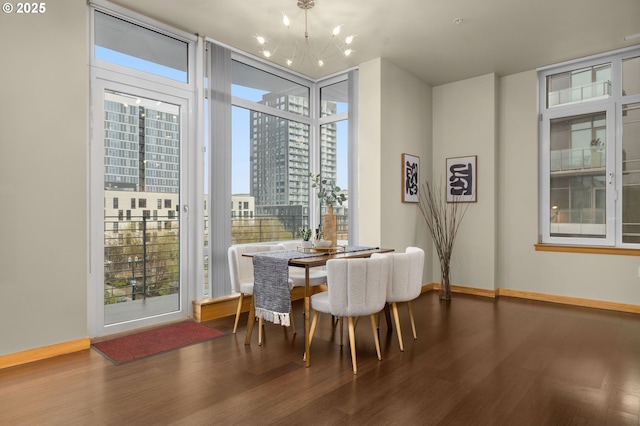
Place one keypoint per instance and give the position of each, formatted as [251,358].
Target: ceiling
[420,36]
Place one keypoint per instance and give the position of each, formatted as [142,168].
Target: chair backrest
[357,287]
[241,267]
[290,245]
[405,274]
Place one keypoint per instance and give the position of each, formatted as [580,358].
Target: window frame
[104,75]
[612,107]
[220,106]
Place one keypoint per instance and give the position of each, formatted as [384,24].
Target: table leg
[307,314]
[250,321]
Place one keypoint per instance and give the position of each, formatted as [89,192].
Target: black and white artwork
[462,180]
[410,178]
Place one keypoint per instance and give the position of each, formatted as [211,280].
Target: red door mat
[141,345]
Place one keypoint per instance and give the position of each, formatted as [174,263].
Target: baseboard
[45,352]
[211,309]
[541,297]
[574,301]
[465,290]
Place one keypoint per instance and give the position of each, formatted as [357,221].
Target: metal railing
[142,258]
[142,255]
[276,228]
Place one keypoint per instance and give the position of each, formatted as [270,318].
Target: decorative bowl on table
[322,244]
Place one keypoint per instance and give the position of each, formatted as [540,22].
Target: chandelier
[300,50]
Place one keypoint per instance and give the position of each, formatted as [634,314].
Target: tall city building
[280,156]
[142,144]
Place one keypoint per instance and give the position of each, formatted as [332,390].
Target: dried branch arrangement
[443,220]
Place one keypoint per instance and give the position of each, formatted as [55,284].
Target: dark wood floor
[476,361]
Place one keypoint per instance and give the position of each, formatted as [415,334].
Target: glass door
[140,154]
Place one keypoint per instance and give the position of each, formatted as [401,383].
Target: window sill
[587,249]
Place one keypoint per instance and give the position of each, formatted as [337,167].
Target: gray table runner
[271,288]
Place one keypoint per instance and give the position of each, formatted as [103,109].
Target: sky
[240,121]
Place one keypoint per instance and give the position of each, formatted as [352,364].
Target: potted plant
[329,194]
[305,234]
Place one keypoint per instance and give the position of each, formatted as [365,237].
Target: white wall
[43,168]
[464,124]
[394,118]
[369,152]
[611,278]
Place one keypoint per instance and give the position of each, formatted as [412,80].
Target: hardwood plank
[477,360]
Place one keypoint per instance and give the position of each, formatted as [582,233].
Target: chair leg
[396,317]
[293,324]
[375,336]
[314,322]
[413,323]
[312,329]
[352,343]
[260,325]
[341,320]
[238,309]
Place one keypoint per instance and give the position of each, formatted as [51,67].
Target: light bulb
[320,62]
[336,30]
[261,39]
[266,53]
[289,62]
[349,39]
[285,20]
[348,52]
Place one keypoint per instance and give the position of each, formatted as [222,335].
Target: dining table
[307,259]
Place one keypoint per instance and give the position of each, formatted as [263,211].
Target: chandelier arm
[309,49]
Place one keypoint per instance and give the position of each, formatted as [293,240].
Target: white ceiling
[420,36]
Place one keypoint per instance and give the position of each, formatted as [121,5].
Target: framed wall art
[410,178]
[462,182]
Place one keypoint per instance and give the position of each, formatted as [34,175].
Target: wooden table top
[321,260]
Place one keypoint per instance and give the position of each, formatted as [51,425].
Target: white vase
[307,244]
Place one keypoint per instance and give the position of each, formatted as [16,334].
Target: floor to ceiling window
[166,203]
[142,92]
[269,131]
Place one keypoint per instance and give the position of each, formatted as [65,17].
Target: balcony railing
[276,228]
[581,93]
[141,258]
[577,159]
[142,255]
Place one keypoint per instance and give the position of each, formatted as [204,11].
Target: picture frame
[410,178]
[462,179]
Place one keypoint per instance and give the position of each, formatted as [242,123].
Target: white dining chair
[355,288]
[317,276]
[241,270]
[405,283]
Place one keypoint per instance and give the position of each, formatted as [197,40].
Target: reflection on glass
[334,166]
[578,176]
[276,92]
[631,76]
[334,99]
[581,85]
[123,43]
[141,213]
